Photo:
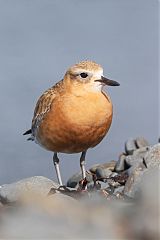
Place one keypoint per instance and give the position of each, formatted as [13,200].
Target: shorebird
[73,115]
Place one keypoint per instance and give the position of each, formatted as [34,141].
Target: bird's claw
[83,185]
[63,188]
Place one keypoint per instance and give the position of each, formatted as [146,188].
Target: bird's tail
[29,132]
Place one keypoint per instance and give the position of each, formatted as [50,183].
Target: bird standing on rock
[73,115]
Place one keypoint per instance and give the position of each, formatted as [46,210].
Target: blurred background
[40,39]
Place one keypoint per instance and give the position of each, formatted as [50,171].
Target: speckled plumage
[43,106]
[87,65]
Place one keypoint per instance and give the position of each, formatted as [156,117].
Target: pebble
[152,157]
[13,192]
[104,185]
[132,186]
[113,183]
[141,142]
[141,152]
[121,163]
[137,165]
[102,173]
[119,195]
[109,165]
[132,160]
[114,174]
[119,189]
[137,156]
[130,146]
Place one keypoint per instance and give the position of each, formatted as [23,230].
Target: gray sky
[40,39]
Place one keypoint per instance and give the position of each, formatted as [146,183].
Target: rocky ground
[121,201]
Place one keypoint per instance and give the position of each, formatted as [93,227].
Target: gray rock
[112,183]
[10,193]
[119,189]
[130,146]
[141,152]
[94,186]
[74,180]
[102,173]
[104,185]
[137,157]
[62,198]
[121,177]
[152,157]
[121,163]
[132,186]
[90,185]
[109,165]
[133,160]
[141,142]
[114,174]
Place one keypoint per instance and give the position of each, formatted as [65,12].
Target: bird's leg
[83,182]
[56,164]
[82,164]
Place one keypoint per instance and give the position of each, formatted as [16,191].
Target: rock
[151,161]
[13,192]
[132,160]
[121,163]
[109,165]
[62,199]
[152,157]
[130,146]
[132,188]
[112,183]
[141,152]
[104,185]
[102,173]
[94,186]
[119,189]
[137,157]
[74,180]
[119,195]
[141,142]
[121,177]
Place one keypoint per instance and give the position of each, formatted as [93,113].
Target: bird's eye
[83,75]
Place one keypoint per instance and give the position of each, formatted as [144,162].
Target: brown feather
[43,106]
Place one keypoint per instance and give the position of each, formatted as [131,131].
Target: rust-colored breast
[75,123]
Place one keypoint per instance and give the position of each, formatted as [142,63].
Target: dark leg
[56,164]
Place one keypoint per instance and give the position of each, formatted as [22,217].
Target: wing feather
[43,106]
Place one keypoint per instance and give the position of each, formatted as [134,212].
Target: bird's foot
[63,188]
[82,185]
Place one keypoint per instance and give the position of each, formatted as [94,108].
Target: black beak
[107,81]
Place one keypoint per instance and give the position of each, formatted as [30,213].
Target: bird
[74,115]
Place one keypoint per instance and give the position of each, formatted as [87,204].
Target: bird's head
[89,75]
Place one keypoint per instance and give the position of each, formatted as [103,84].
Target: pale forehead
[87,66]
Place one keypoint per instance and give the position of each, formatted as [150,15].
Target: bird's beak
[107,81]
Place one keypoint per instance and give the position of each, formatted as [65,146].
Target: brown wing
[43,106]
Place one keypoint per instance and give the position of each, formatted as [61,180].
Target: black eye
[83,75]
